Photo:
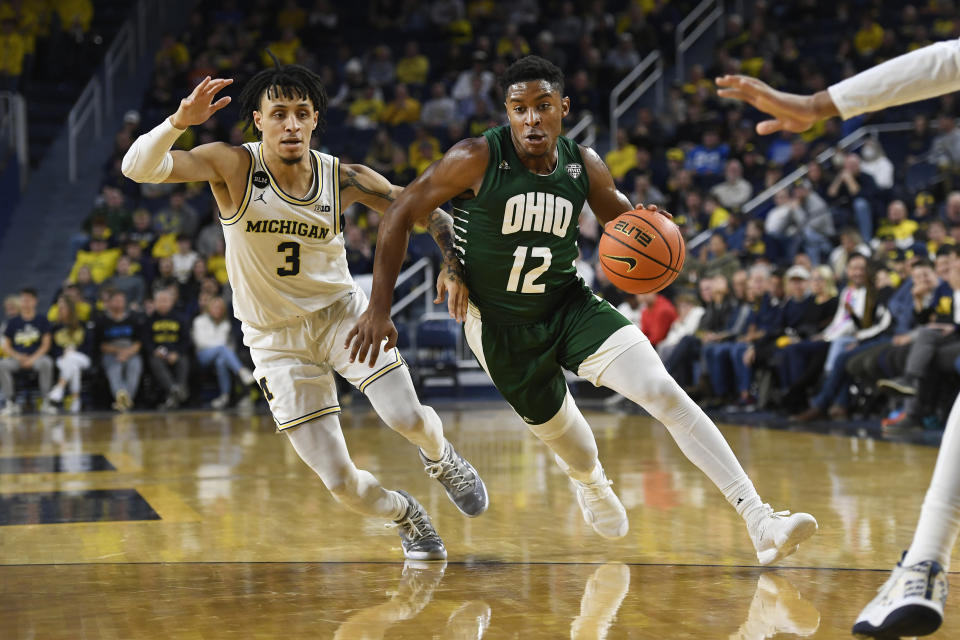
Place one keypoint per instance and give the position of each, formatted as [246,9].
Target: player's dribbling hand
[450,282]
[369,332]
[655,208]
[791,112]
[197,107]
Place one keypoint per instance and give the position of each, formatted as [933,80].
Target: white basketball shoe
[910,603]
[601,507]
[778,534]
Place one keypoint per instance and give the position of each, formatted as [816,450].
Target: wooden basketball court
[207,525]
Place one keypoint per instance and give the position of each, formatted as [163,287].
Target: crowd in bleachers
[776,305]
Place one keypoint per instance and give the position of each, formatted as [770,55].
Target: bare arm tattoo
[352,181]
[440,226]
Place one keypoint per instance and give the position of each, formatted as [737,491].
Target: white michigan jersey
[285,255]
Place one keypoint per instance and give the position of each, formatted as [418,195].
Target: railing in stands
[424,288]
[703,16]
[129,48]
[89,106]
[652,63]
[587,127]
[121,52]
[13,130]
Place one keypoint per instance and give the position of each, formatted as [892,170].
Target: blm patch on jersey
[260,180]
[574,170]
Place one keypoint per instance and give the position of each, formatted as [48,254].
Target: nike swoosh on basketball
[630,262]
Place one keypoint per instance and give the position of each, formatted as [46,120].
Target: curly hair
[532,68]
[291,81]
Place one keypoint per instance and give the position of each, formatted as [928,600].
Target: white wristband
[149,159]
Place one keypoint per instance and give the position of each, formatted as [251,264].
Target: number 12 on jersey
[530,280]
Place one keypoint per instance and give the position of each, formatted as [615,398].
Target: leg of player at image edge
[910,602]
[320,444]
[775,534]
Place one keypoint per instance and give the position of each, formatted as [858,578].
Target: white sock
[569,436]
[395,401]
[639,374]
[939,523]
[320,444]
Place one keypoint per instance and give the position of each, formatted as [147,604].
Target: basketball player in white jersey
[911,602]
[281,208]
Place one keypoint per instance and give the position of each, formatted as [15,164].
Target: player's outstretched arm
[460,170]
[150,159]
[359,183]
[925,73]
[606,201]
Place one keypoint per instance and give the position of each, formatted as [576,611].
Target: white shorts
[295,362]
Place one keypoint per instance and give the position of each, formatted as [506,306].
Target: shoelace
[594,490]
[448,470]
[413,525]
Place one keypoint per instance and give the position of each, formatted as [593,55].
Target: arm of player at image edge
[150,159]
[605,200]
[925,73]
[460,169]
[359,183]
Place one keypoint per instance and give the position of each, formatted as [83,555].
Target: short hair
[948,250]
[30,291]
[291,81]
[532,68]
[921,262]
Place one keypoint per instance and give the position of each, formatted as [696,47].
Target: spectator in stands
[689,314]
[645,192]
[69,346]
[89,289]
[131,284]
[920,139]
[707,159]
[623,158]
[851,195]
[168,343]
[441,110]
[380,67]
[359,251]
[657,315]
[119,336]
[178,216]
[728,371]
[323,18]
[403,109]
[463,87]
[26,344]
[624,57]
[898,225]
[99,258]
[945,151]
[211,335]
[364,111]
[850,243]
[860,319]
[113,210]
[877,164]
[720,307]
[716,259]
[184,258]
[142,230]
[734,191]
[414,67]
[286,49]
[424,150]
[81,307]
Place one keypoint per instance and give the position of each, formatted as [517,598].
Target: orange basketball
[641,251]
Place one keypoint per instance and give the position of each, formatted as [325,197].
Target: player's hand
[450,282]
[791,112]
[368,333]
[197,107]
[654,208]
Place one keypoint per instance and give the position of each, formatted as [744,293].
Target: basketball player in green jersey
[517,193]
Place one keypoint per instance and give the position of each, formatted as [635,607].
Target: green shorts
[524,360]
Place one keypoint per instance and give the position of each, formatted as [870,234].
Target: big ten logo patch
[638,234]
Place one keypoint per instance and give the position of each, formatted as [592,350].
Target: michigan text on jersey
[287,227]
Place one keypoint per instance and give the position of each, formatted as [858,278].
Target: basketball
[641,251]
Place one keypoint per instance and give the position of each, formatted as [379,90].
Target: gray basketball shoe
[419,539]
[460,479]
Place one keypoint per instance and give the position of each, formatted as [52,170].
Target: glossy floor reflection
[248,543]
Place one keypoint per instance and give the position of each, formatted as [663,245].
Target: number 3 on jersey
[293,258]
[530,280]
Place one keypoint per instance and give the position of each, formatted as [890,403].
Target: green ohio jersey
[518,237]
